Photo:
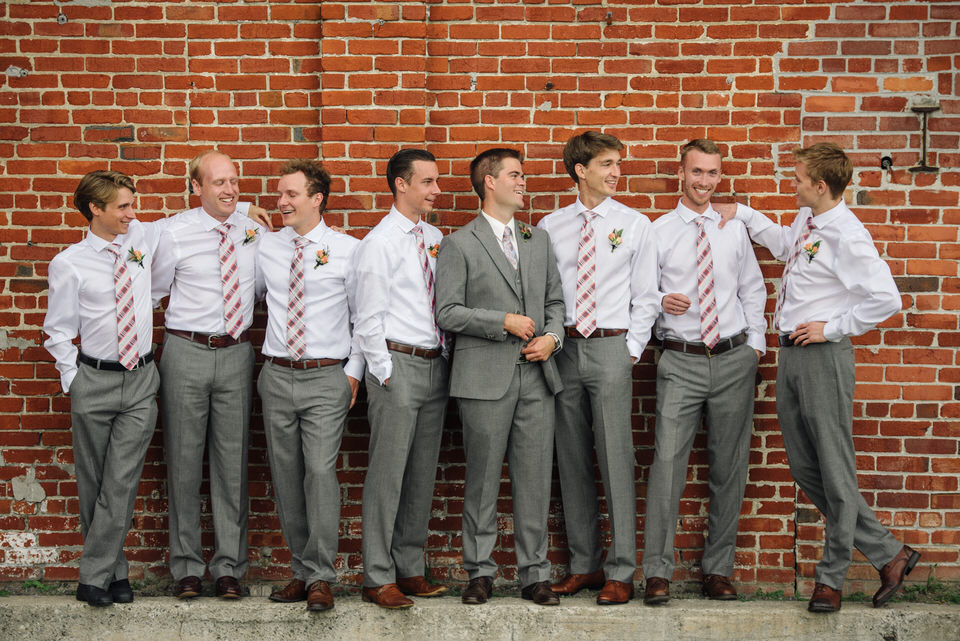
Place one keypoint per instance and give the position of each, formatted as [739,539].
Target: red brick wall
[142,86]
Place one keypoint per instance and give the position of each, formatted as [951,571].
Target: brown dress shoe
[891,575]
[419,586]
[228,588]
[387,596]
[540,593]
[718,588]
[657,591]
[615,593]
[824,599]
[478,591]
[319,597]
[573,583]
[187,587]
[294,591]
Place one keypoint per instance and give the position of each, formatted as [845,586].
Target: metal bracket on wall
[924,108]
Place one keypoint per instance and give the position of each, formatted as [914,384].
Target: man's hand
[522,327]
[354,388]
[260,215]
[727,211]
[807,333]
[675,304]
[759,354]
[539,349]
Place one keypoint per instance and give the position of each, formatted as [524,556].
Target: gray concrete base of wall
[45,618]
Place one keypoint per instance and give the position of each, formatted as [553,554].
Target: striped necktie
[428,279]
[296,329]
[586,273]
[508,249]
[229,283]
[126,320]
[706,291]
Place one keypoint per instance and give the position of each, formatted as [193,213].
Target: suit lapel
[481,229]
[524,251]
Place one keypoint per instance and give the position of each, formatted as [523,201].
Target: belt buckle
[210,340]
[706,348]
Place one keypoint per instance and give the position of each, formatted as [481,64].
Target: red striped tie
[586,272]
[428,279]
[126,320]
[781,295]
[229,283]
[706,291]
[296,338]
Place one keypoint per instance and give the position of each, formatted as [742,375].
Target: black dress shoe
[121,591]
[478,591]
[540,593]
[93,595]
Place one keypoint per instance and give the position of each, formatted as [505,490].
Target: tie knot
[417,230]
[114,249]
[507,232]
[224,228]
[588,216]
[300,242]
[810,223]
[700,220]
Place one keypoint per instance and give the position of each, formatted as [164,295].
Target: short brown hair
[318,179]
[580,150]
[99,188]
[193,169]
[489,163]
[703,145]
[400,165]
[826,161]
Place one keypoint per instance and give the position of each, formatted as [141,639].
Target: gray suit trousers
[815,408]
[593,413]
[303,415]
[113,415]
[688,384]
[205,398]
[406,423]
[519,425]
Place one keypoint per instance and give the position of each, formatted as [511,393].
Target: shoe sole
[279,600]
[823,609]
[911,563]
[656,600]
[229,597]
[387,607]
[189,594]
[721,597]
[612,602]
[123,599]
[426,595]
[319,608]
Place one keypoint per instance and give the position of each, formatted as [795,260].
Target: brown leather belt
[211,341]
[304,364]
[597,333]
[112,366]
[422,352]
[700,349]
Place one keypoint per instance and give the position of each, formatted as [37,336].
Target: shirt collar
[822,220]
[497,226]
[600,210]
[98,244]
[315,235]
[688,215]
[210,223]
[401,221]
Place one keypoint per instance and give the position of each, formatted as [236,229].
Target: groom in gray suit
[498,290]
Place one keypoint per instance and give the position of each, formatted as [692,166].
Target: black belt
[786,341]
[212,341]
[597,333]
[312,363]
[112,366]
[413,350]
[700,349]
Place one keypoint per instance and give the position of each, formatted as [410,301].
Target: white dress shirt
[626,279]
[82,299]
[846,283]
[329,294]
[392,301]
[188,268]
[738,282]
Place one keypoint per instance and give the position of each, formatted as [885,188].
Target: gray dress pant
[406,423]
[205,398]
[815,409]
[519,425]
[688,384]
[113,415]
[593,413]
[303,415]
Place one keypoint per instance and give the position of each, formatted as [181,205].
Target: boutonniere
[525,232]
[616,238]
[434,249]
[250,235]
[811,249]
[323,257]
[135,256]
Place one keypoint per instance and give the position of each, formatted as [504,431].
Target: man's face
[508,186]
[599,177]
[807,191]
[114,219]
[699,176]
[417,196]
[218,190]
[300,211]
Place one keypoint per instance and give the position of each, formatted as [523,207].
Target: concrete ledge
[503,619]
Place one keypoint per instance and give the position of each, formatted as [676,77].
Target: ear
[400,184]
[822,187]
[317,200]
[489,182]
[195,187]
[580,170]
[96,211]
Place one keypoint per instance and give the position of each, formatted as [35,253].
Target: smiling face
[415,198]
[218,186]
[504,192]
[598,179]
[298,209]
[699,176]
[114,219]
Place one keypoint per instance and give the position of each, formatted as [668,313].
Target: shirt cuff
[757,342]
[831,331]
[354,368]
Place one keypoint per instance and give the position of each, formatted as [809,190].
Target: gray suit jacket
[477,287]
